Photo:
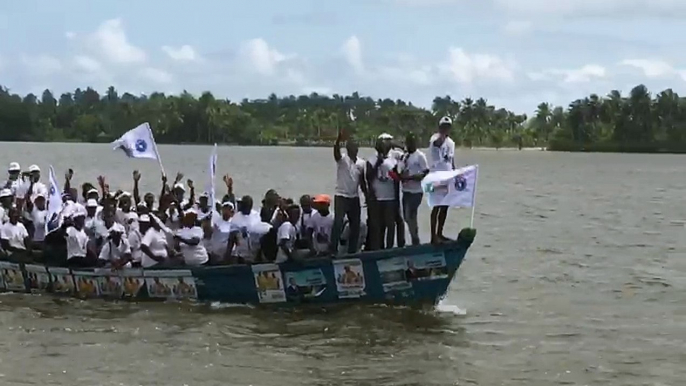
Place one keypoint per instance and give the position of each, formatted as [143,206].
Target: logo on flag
[460,183]
[141,146]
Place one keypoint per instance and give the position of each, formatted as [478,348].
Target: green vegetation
[614,123]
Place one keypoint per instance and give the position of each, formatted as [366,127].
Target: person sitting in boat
[320,225]
[247,229]
[36,186]
[116,252]
[6,203]
[189,240]
[78,252]
[124,210]
[221,231]
[13,180]
[14,238]
[137,229]
[94,225]
[35,213]
[287,234]
[154,244]
[306,212]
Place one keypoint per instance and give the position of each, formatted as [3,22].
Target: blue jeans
[411,202]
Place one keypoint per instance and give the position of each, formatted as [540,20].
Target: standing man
[396,153]
[346,202]
[414,168]
[442,150]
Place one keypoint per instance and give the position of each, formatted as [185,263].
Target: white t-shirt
[321,230]
[348,174]
[301,226]
[39,187]
[414,163]
[112,253]
[221,229]
[77,243]
[193,254]
[248,239]
[134,239]
[286,232]
[383,185]
[38,219]
[123,218]
[14,234]
[442,157]
[157,242]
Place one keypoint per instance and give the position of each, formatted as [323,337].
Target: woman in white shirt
[116,252]
[221,229]
[14,236]
[287,234]
[154,245]
[36,212]
[78,253]
[189,238]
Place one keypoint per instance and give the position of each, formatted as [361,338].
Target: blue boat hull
[417,275]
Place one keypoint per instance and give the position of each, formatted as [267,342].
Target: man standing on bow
[442,150]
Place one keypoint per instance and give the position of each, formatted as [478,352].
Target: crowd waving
[99,227]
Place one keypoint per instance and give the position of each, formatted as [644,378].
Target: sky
[514,53]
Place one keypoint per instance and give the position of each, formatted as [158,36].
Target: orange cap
[322,199]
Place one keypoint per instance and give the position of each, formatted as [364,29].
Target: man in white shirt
[383,198]
[349,181]
[38,187]
[442,150]
[414,168]
[396,153]
[13,180]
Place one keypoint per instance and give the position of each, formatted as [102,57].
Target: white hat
[180,186]
[228,203]
[5,193]
[34,168]
[385,136]
[191,211]
[91,203]
[445,121]
[92,190]
[39,194]
[144,218]
[125,194]
[116,227]
[14,167]
[205,194]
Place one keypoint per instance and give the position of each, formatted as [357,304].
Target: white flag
[138,143]
[454,188]
[52,220]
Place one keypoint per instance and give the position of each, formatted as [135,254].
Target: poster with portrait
[61,280]
[305,284]
[109,283]
[349,278]
[269,283]
[392,272]
[12,276]
[132,281]
[430,266]
[86,284]
[37,278]
[170,284]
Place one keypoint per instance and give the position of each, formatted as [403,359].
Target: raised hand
[101,181]
[179,177]
[69,174]
[136,175]
[189,183]
[228,181]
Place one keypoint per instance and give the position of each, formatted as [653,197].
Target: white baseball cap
[445,121]
[5,193]
[92,190]
[14,167]
[34,168]
[144,218]
[91,203]
[116,227]
[385,136]
[227,203]
[180,186]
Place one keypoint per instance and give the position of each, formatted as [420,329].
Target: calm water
[577,277]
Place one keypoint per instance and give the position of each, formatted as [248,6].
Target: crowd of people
[98,227]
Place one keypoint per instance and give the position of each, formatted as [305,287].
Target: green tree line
[636,122]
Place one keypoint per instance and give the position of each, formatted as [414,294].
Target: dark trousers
[346,207]
[381,224]
[411,202]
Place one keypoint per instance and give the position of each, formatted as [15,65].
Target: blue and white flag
[138,143]
[453,188]
[52,220]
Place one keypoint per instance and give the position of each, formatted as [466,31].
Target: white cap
[385,136]
[116,227]
[5,193]
[14,167]
[125,194]
[445,121]
[205,194]
[91,203]
[191,211]
[228,203]
[92,190]
[180,186]
[144,218]
[39,194]
[34,168]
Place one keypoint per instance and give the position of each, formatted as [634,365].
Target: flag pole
[476,181]
[154,143]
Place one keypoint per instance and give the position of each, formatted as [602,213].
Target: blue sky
[515,53]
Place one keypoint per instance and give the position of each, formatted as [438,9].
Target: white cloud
[87,64]
[157,76]
[352,52]
[583,74]
[517,27]
[70,35]
[262,58]
[465,68]
[593,8]
[184,53]
[111,42]
[42,65]
[651,68]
